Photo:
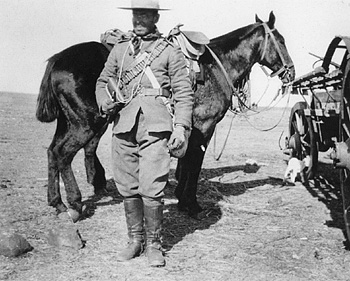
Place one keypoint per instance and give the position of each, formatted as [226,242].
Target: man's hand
[178,141]
[177,138]
[108,107]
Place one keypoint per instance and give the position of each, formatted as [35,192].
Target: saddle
[192,44]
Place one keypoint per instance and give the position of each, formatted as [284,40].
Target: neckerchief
[137,40]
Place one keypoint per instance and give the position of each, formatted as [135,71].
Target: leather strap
[155,92]
[152,78]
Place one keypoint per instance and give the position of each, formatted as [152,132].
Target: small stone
[13,245]
[275,201]
[70,215]
[75,216]
[251,166]
[251,162]
[317,255]
[67,236]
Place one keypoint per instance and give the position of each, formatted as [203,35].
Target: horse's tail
[47,109]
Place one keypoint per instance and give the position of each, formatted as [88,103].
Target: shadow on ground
[326,189]
[178,224]
[93,202]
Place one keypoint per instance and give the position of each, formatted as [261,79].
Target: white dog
[296,168]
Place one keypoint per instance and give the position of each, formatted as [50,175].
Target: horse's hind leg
[71,186]
[53,188]
[67,145]
[94,170]
[60,160]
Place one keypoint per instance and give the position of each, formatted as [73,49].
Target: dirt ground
[253,228]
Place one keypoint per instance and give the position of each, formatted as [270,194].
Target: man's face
[144,21]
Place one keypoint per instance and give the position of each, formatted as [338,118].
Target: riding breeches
[141,161]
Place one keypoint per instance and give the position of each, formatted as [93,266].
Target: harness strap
[234,90]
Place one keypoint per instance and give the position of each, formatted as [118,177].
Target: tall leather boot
[134,220]
[153,213]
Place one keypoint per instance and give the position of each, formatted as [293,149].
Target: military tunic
[141,129]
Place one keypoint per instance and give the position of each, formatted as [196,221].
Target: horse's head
[274,52]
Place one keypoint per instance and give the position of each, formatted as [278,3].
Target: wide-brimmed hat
[144,4]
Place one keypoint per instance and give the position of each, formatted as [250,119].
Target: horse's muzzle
[286,74]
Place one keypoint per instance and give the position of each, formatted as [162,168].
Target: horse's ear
[272,20]
[257,19]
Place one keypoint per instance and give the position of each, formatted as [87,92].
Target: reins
[284,69]
[272,127]
[234,90]
[225,142]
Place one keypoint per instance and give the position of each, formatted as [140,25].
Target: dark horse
[67,93]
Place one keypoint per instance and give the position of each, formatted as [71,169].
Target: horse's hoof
[182,207]
[195,212]
[73,214]
[194,216]
[101,192]
[61,208]
[199,209]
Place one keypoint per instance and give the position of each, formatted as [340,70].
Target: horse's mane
[233,38]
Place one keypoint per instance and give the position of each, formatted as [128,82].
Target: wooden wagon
[321,122]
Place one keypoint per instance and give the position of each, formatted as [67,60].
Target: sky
[33,30]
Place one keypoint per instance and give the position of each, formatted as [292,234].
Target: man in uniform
[148,70]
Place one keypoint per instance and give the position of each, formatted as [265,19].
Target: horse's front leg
[186,190]
[180,176]
[190,191]
[188,170]
[94,170]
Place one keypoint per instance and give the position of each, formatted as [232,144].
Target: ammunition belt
[129,74]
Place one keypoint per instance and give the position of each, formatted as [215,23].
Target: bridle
[285,69]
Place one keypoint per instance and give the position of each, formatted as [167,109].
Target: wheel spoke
[301,129]
[294,124]
[347,220]
[347,131]
[346,105]
[300,124]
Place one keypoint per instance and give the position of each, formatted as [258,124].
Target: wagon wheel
[303,138]
[344,136]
